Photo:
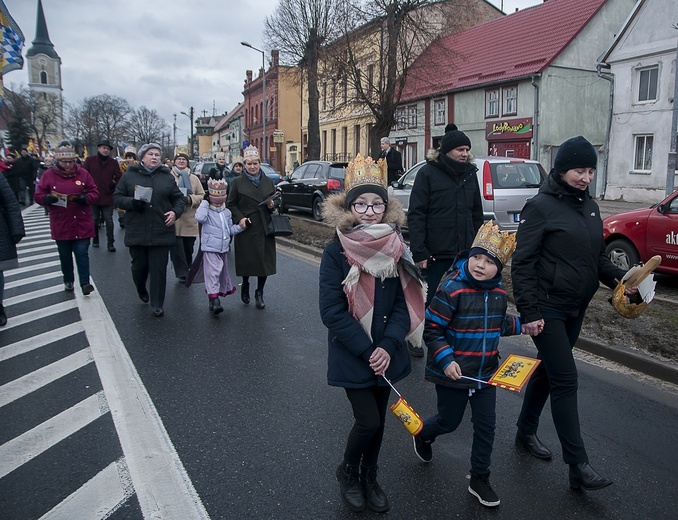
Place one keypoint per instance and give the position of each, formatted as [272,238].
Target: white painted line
[32,296]
[43,312]
[33,279]
[34,342]
[163,487]
[25,244]
[23,260]
[97,498]
[29,445]
[31,268]
[18,388]
[41,248]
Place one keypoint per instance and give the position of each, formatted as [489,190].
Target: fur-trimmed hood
[434,153]
[335,214]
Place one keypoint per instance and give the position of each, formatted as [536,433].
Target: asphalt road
[244,401]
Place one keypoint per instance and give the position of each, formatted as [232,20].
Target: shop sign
[401,141]
[509,129]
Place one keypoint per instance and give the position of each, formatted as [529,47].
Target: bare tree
[146,126]
[299,29]
[96,118]
[39,111]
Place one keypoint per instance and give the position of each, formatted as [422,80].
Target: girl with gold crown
[372,302]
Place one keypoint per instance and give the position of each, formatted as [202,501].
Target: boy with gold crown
[372,302]
[464,321]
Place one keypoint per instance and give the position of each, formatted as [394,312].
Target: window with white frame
[400,122]
[439,112]
[412,116]
[647,83]
[510,101]
[492,103]
[643,155]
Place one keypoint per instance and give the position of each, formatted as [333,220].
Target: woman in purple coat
[69,191]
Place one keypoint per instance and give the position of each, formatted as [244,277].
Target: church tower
[44,76]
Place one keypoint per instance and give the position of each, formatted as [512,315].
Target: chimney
[249,76]
[275,54]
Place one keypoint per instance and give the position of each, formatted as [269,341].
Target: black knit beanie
[576,152]
[453,138]
[482,251]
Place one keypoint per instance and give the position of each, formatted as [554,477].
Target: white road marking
[163,487]
[29,268]
[24,385]
[51,247]
[26,345]
[98,498]
[24,260]
[29,445]
[37,314]
[29,296]
[33,279]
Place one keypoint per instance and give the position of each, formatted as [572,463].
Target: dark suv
[310,184]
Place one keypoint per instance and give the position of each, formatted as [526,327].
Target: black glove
[80,199]
[139,205]
[50,199]
[189,201]
[17,238]
[112,185]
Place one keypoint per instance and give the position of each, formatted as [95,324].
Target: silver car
[506,183]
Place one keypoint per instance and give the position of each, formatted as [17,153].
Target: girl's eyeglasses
[361,207]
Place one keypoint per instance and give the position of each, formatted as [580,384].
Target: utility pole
[190,116]
[174,131]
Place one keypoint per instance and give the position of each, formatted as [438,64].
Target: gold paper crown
[363,170]
[251,152]
[217,187]
[500,243]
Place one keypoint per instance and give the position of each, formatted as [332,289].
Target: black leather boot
[3,317]
[585,477]
[211,304]
[259,299]
[531,443]
[374,495]
[217,308]
[245,293]
[349,487]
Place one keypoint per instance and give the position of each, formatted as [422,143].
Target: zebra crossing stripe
[35,441]
[28,242]
[24,385]
[33,279]
[51,246]
[28,344]
[20,298]
[37,314]
[29,268]
[101,496]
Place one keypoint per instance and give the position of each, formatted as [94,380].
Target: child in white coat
[215,242]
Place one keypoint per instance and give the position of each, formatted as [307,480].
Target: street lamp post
[263,75]
[191,118]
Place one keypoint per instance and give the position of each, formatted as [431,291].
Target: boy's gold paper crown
[500,243]
[251,152]
[217,187]
[363,170]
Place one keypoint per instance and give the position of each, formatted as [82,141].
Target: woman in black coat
[11,232]
[367,282]
[556,268]
[255,253]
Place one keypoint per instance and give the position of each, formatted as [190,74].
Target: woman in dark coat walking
[149,221]
[70,191]
[371,301]
[11,232]
[255,253]
[556,269]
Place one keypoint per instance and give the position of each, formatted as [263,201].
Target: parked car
[310,184]
[636,236]
[201,169]
[506,183]
[270,172]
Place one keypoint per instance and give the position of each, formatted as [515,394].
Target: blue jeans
[80,249]
[451,406]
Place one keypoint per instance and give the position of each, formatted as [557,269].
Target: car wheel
[317,214]
[622,253]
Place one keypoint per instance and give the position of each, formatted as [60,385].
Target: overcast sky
[166,54]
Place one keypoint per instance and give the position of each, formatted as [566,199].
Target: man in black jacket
[26,169]
[445,210]
[394,160]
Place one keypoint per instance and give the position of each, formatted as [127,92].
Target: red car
[636,236]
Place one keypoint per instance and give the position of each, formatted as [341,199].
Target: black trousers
[369,410]
[451,406]
[433,274]
[181,255]
[150,261]
[556,377]
[105,213]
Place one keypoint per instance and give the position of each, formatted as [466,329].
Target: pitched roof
[511,47]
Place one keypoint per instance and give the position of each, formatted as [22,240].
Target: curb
[640,363]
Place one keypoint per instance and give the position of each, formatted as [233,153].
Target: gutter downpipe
[671,169]
[608,76]
[535,118]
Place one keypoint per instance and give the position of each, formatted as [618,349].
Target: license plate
[516,217]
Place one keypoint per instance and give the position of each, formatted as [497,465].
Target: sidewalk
[612,207]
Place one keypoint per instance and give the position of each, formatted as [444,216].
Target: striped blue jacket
[463,323]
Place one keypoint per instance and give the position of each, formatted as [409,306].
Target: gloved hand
[139,205]
[50,199]
[189,201]
[80,199]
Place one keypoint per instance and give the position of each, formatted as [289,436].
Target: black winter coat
[147,227]
[560,254]
[11,226]
[445,210]
[25,168]
[349,345]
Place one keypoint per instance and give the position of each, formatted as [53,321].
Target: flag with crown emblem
[12,41]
